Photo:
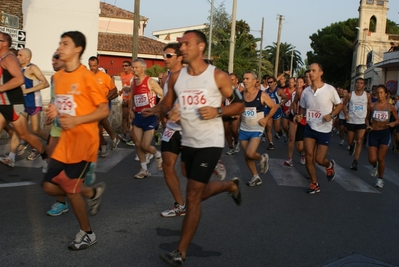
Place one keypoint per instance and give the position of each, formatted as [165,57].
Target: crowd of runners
[197,108]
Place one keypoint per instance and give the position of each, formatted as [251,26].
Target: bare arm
[69,122]
[283,96]
[11,64]
[113,93]
[156,88]
[267,101]
[344,103]
[35,71]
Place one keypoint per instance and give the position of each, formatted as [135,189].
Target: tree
[155,70]
[285,57]
[245,53]
[333,49]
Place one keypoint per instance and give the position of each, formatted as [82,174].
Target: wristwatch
[220,111]
[332,116]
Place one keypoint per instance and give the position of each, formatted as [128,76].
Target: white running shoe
[379,183]
[264,163]
[148,157]
[7,161]
[115,143]
[374,170]
[45,166]
[142,174]
[237,147]
[220,170]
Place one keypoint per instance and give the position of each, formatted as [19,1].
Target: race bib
[167,134]
[65,104]
[358,108]
[313,115]
[141,100]
[380,115]
[192,99]
[249,113]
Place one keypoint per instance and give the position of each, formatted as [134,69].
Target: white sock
[143,165]
[158,154]
[12,156]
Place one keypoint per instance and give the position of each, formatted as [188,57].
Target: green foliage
[155,70]
[333,49]
[286,51]
[246,56]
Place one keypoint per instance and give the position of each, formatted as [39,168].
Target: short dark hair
[7,38]
[234,74]
[360,79]
[78,39]
[174,46]
[93,58]
[272,77]
[127,62]
[200,36]
[265,77]
[383,87]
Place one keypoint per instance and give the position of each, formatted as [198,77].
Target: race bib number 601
[65,104]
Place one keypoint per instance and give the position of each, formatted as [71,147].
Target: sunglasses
[168,55]
[125,65]
[57,57]
[269,82]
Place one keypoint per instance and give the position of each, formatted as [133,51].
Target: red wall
[113,64]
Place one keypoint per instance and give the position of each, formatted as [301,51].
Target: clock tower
[372,41]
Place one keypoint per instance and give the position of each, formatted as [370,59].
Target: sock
[158,154]
[89,232]
[375,165]
[256,176]
[95,193]
[12,156]
[271,143]
[330,165]
[44,155]
[62,202]
[143,165]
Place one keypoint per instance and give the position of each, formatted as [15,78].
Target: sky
[301,18]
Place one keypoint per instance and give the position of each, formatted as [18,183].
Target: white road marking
[115,156]
[286,176]
[16,184]
[389,175]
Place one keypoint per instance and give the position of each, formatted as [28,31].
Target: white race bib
[380,115]
[192,99]
[65,104]
[313,115]
[358,108]
[167,134]
[141,100]
[249,113]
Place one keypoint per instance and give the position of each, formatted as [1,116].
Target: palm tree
[285,57]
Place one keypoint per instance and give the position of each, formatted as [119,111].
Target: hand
[51,112]
[327,118]
[67,122]
[174,114]
[147,112]
[369,128]
[48,121]
[263,122]
[299,117]
[347,117]
[207,113]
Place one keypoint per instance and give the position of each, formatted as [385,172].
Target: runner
[199,113]
[232,123]
[126,76]
[290,93]
[144,94]
[355,116]
[12,102]
[342,123]
[321,104]
[252,125]
[379,139]
[80,104]
[298,124]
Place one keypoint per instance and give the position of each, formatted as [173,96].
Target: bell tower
[372,41]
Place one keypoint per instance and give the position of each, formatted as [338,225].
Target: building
[174,35]
[371,59]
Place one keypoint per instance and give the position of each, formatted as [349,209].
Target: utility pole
[260,51]
[292,60]
[136,25]
[232,37]
[210,32]
[280,25]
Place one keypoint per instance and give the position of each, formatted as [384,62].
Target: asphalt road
[349,223]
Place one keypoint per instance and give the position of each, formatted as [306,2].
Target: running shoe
[21,148]
[313,188]
[174,258]
[277,136]
[105,133]
[94,203]
[220,170]
[341,143]
[34,154]
[158,161]
[237,147]
[176,210]
[142,174]
[270,147]
[148,157]
[45,166]
[236,195]
[374,170]
[91,175]
[396,149]
[285,140]
[115,143]
[137,158]
[289,163]
[104,151]
[57,209]
[130,143]
[255,181]
[158,138]
[354,165]
[303,159]
[230,151]
[331,171]
[263,139]
[83,240]
[7,161]
[352,148]
[379,183]
[264,163]
[122,137]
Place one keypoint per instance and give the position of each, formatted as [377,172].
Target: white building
[174,35]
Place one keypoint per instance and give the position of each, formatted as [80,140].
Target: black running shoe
[173,259]
[352,149]
[354,165]
[237,194]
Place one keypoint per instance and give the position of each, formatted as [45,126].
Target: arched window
[373,24]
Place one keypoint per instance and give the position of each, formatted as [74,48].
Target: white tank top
[194,92]
[170,125]
[357,110]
